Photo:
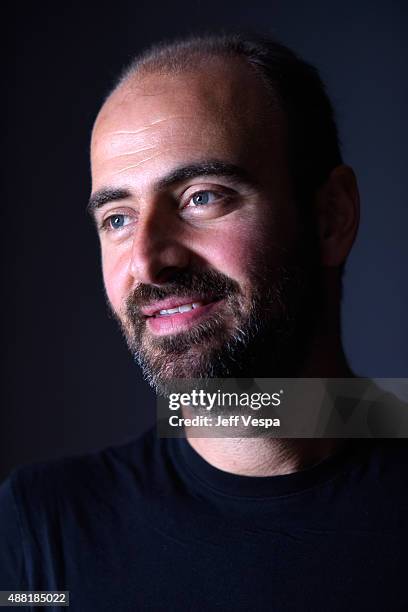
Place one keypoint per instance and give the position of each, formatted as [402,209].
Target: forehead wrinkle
[146,127]
[195,151]
[132,152]
[139,140]
[153,124]
[143,161]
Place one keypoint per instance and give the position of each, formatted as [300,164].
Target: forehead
[217,109]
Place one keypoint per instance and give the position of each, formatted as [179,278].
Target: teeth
[183,308]
[169,311]
[186,307]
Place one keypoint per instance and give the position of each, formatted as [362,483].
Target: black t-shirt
[152,526]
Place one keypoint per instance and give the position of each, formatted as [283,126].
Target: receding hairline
[140,72]
[175,60]
[291,85]
[183,59]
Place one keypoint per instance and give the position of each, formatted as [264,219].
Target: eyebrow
[104,196]
[178,175]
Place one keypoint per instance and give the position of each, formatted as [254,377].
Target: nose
[158,250]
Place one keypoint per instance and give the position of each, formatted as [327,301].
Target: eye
[116,222]
[202,198]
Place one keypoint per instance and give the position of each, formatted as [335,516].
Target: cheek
[115,266]
[239,249]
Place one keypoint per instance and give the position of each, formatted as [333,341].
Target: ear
[338,214]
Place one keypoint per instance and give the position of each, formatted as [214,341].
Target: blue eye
[116,222]
[202,197]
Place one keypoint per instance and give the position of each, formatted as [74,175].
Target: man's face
[194,206]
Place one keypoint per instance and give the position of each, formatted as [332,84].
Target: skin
[156,123]
[151,127]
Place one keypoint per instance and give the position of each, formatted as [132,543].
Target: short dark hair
[294,84]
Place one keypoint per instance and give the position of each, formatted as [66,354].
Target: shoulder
[43,505]
[390,455]
[42,486]
[381,468]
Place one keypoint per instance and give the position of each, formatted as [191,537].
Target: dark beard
[265,335]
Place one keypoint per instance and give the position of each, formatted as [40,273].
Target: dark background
[68,383]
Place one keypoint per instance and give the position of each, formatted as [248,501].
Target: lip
[180,321]
[173,302]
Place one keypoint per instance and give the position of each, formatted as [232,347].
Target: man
[225,216]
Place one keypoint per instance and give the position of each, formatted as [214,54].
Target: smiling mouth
[173,306]
[180,314]
[166,312]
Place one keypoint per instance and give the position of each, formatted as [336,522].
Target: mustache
[182,284]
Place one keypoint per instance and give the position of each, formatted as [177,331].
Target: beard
[263,330]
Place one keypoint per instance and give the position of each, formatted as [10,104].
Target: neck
[263,456]
[278,456]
